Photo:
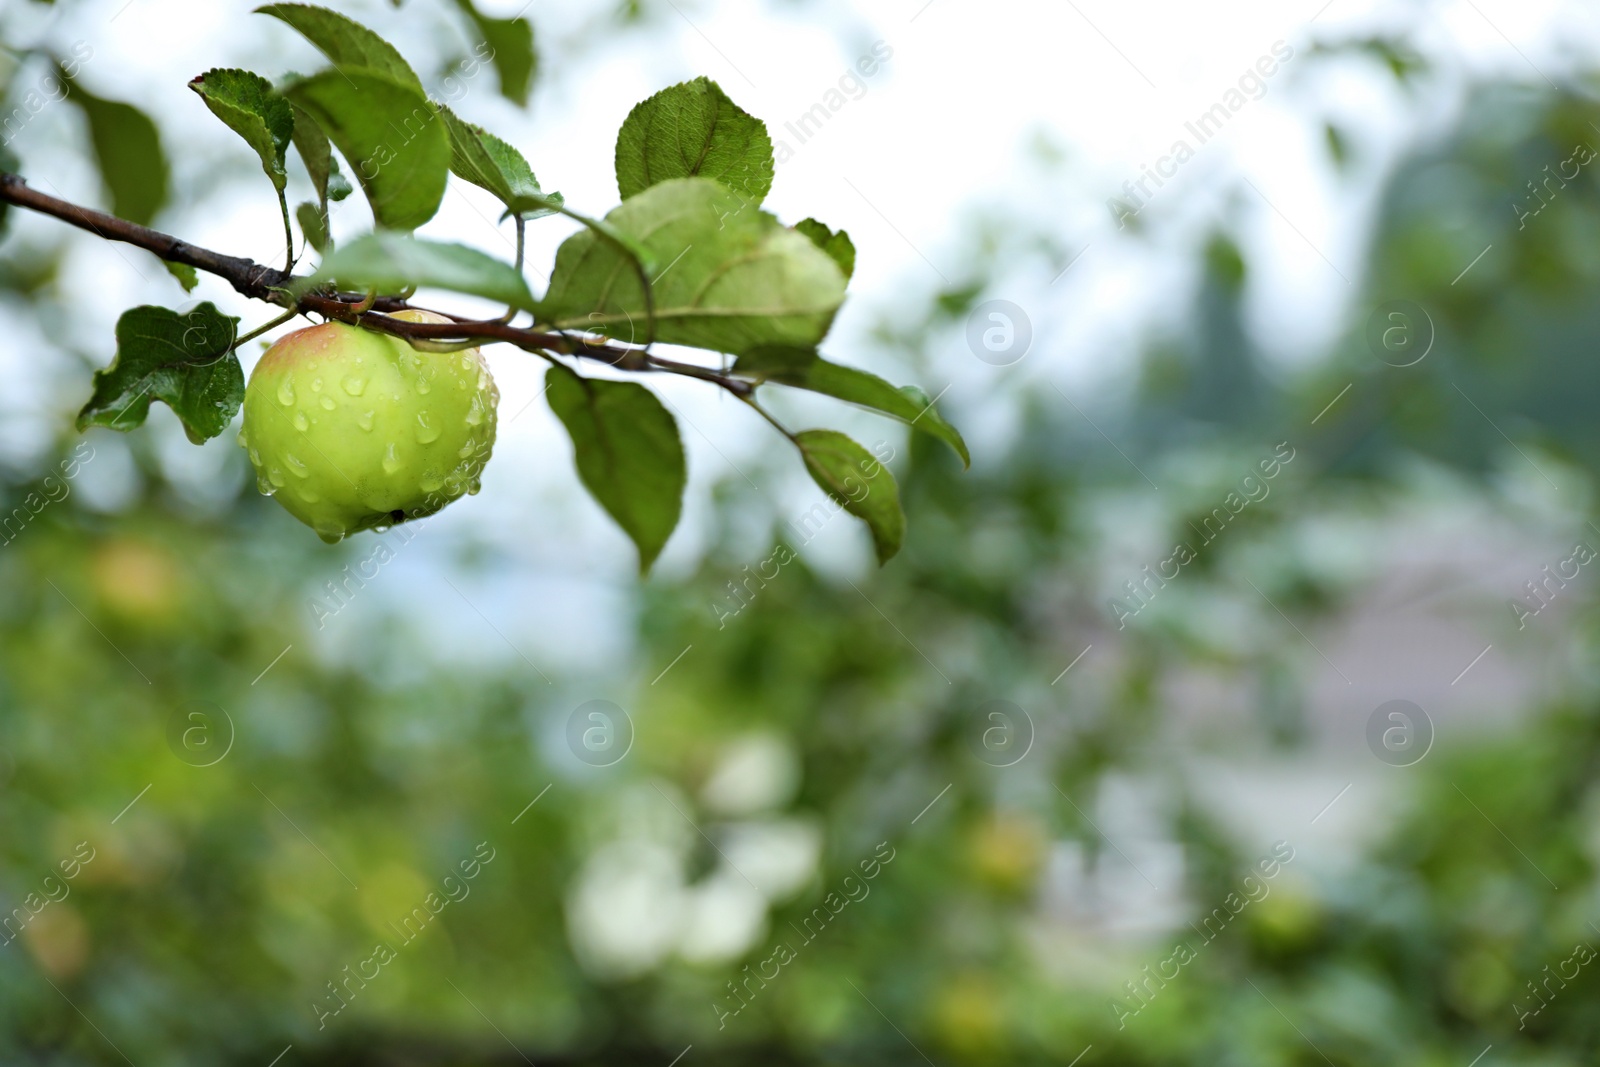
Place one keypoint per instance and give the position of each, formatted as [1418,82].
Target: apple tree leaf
[693,129]
[469,157]
[11,165]
[185,274]
[857,482]
[317,155]
[723,274]
[349,45]
[353,48]
[490,163]
[185,361]
[250,107]
[804,369]
[518,176]
[313,223]
[391,135]
[628,452]
[128,150]
[511,50]
[389,262]
[836,243]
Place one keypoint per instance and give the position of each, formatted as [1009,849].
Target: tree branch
[261,282]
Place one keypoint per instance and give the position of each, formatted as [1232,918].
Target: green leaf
[353,49]
[128,149]
[11,165]
[518,176]
[317,155]
[391,135]
[490,163]
[628,453]
[313,225]
[837,244]
[855,479]
[804,369]
[389,262]
[348,44]
[631,249]
[693,129]
[470,158]
[339,186]
[185,361]
[250,107]
[725,275]
[511,50]
[513,168]
[315,152]
[323,167]
[633,254]
[931,422]
[186,275]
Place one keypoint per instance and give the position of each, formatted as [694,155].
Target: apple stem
[259,330]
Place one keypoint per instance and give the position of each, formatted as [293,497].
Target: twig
[260,282]
[765,414]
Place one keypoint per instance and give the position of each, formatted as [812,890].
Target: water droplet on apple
[391,460]
[316,385]
[427,432]
[296,468]
[364,420]
[286,392]
[275,476]
[300,421]
[430,482]
[354,385]
[327,403]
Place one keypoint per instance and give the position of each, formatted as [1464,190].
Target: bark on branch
[261,282]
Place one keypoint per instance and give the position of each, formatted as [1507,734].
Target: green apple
[350,429]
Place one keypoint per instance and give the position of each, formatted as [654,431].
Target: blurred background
[1239,705]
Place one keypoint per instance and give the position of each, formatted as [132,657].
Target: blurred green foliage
[222,901]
